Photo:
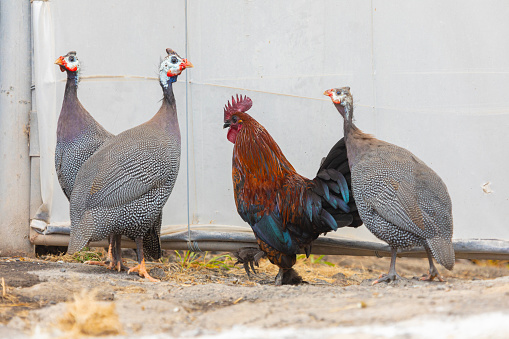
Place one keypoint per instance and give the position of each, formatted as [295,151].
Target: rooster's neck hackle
[257,153]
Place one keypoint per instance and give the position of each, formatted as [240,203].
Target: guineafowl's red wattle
[122,188]
[401,200]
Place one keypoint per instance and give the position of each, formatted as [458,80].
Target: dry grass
[86,316]
[11,306]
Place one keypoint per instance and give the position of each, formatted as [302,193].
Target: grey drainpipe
[15,106]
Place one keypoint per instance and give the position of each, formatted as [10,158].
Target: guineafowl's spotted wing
[404,197]
[126,169]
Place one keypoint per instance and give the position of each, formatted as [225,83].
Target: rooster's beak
[227,124]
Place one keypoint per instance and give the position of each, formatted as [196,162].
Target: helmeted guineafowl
[122,188]
[79,135]
[401,200]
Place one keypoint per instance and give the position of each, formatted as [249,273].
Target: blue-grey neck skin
[167,115]
[167,85]
[71,86]
[347,114]
[355,143]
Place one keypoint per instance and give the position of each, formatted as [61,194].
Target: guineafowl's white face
[171,67]
[68,62]
[340,95]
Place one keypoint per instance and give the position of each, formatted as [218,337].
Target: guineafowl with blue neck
[399,198]
[122,188]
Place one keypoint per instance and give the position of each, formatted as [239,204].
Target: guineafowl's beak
[328,93]
[60,62]
[187,64]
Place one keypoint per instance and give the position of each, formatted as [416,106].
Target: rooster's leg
[288,277]
[140,268]
[433,272]
[392,275]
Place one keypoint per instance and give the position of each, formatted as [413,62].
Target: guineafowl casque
[401,200]
[122,188]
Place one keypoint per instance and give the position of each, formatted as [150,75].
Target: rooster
[285,210]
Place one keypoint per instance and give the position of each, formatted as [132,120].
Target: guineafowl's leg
[392,275]
[433,272]
[140,268]
[108,263]
[117,262]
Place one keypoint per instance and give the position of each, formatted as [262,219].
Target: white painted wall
[429,76]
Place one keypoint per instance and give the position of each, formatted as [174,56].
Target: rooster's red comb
[242,104]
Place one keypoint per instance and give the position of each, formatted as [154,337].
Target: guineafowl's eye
[174,60]
[71,58]
[338,92]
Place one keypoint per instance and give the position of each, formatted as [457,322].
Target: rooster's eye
[174,60]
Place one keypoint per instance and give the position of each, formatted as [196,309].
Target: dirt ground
[206,298]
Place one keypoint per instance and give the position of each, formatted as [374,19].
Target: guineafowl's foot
[288,277]
[249,257]
[433,272]
[142,271]
[106,263]
[430,277]
[388,278]
[119,266]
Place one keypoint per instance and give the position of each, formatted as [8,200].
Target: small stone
[157,273]
[176,309]
[339,276]
[62,270]
[60,261]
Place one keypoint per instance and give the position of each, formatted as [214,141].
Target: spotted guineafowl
[401,200]
[122,188]
[78,134]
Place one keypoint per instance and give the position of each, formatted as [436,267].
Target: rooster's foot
[288,277]
[249,257]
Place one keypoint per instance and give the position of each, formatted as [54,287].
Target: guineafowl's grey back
[124,186]
[403,201]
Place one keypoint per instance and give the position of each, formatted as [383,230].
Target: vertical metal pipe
[15,106]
